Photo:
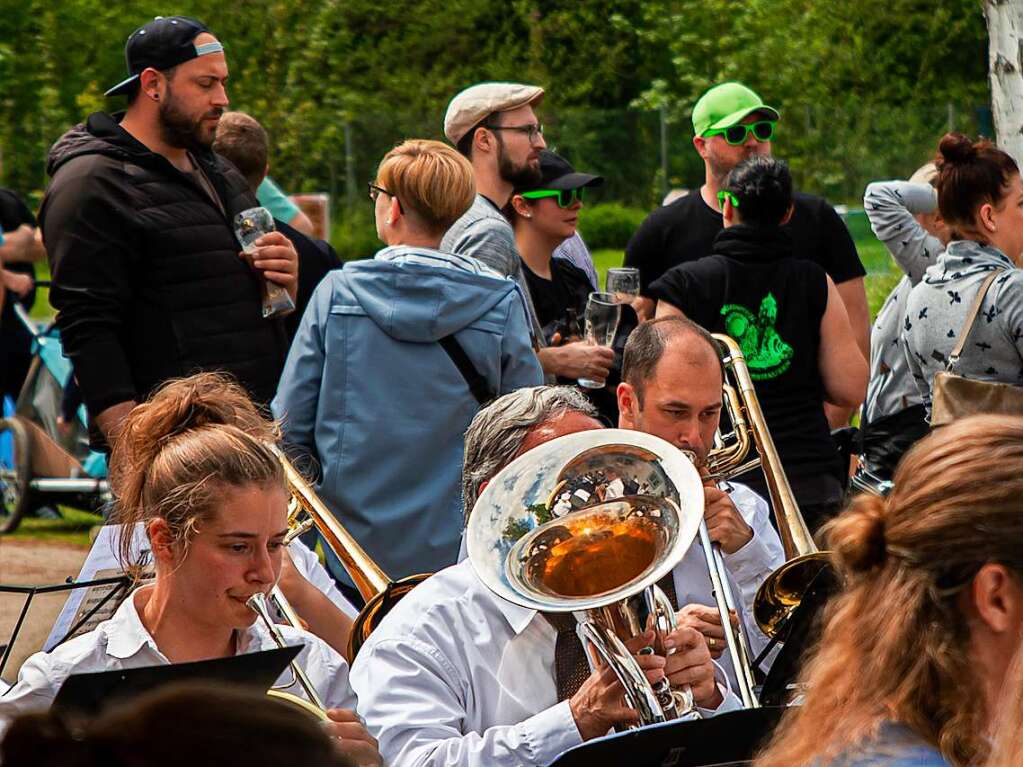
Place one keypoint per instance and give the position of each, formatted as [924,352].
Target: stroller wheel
[15,466]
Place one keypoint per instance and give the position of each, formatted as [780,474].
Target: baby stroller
[45,460]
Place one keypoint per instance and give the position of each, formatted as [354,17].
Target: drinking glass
[623,282]
[249,226]
[601,323]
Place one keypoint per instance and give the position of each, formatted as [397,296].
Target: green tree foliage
[863,86]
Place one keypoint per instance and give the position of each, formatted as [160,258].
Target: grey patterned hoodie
[890,207]
[936,312]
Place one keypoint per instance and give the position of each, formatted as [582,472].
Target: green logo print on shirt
[767,355]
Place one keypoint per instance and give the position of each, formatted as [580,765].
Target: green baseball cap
[728,104]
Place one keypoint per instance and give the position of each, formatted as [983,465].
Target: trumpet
[588,524]
[314,705]
[376,587]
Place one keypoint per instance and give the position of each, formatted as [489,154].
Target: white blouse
[124,642]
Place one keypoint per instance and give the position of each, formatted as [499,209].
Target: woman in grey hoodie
[903,215]
[980,198]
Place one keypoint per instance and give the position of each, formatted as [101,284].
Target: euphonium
[380,592]
[588,524]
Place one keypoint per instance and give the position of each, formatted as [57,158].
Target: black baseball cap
[557,173]
[164,42]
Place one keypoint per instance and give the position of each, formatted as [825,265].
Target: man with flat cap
[494,125]
[148,279]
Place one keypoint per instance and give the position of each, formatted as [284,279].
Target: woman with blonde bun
[910,665]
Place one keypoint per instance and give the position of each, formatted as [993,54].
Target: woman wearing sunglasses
[790,321]
[544,216]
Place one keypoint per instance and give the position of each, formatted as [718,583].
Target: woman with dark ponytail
[980,198]
[193,466]
[910,666]
[790,321]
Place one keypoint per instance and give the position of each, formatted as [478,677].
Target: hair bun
[857,536]
[956,149]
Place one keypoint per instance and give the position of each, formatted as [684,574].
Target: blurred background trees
[865,88]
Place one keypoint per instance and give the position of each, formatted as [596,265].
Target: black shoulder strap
[477,383]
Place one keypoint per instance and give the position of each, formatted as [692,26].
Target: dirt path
[33,563]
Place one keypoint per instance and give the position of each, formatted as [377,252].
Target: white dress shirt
[124,642]
[308,564]
[455,675]
[747,568]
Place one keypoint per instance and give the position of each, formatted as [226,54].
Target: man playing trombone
[671,387]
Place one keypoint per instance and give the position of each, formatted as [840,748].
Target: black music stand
[726,739]
[91,693]
[114,588]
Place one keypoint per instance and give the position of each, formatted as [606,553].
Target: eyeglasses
[375,191]
[532,131]
[762,130]
[565,196]
[725,195]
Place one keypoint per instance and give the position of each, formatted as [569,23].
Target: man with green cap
[732,123]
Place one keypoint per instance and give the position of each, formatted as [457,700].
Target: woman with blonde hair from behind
[391,361]
[910,666]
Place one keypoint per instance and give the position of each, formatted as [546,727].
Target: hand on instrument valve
[352,738]
[707,620]
[724,522]
[599,703]
[690,664]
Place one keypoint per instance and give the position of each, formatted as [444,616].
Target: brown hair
[1007,748]
[199,723]
[970,174]
[178,450]
[647,344]
[431,180]
[242,140]
[895,642]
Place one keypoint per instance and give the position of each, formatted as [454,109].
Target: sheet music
[103,562]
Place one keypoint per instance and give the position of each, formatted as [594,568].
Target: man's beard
[521,176]
[720,169]
[179,130]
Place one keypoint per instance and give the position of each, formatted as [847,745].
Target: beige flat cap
[476,102]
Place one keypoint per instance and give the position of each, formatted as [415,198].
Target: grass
[71,528]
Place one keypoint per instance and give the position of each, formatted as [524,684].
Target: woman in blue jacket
[369,390]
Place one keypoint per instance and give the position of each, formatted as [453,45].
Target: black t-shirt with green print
[771,303]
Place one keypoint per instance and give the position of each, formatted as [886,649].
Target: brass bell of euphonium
[588,524]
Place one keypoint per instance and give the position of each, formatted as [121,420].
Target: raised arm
[892,207]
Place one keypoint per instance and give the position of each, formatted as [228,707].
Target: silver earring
[527,215]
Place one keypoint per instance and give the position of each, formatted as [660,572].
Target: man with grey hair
[455,675]
[671,387]
[515,424]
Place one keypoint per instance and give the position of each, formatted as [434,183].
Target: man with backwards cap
[494,125]
[148,279]
[731,123]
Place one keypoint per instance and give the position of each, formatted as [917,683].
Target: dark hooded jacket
[147,280]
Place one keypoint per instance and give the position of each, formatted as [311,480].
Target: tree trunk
[1005,67]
